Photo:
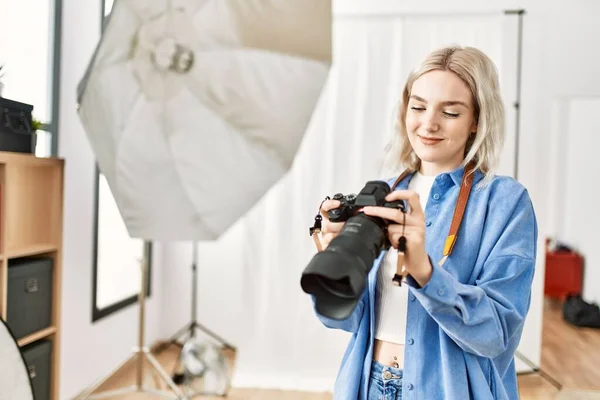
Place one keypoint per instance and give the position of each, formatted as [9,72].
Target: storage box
[29,295]
[564,274]
[16,133]
[38,357]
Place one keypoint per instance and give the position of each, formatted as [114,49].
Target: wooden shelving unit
[31,214]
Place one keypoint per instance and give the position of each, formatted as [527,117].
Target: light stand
[517,105]
[190,328]
[140,354]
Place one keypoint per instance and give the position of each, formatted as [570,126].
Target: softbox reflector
[195,109]
[14,375]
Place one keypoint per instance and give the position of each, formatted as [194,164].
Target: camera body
[373,194]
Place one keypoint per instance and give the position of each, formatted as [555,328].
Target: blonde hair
[479,73]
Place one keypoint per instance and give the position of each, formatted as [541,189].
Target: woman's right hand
[329,230]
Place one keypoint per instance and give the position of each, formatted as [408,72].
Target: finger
[328,237]
[414,230]
[411,197]
[410,233]
[390,214]
[414,236]
[394,239]
[410,220]
[331,227]
[329,205]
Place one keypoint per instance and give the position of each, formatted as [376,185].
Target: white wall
[89,351]
[581,224]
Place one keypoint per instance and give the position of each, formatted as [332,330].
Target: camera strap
[459,211]
[400,273]
[316,228]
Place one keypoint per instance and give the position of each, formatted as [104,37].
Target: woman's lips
[429,141]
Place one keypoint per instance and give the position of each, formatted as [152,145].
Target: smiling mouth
[429,141]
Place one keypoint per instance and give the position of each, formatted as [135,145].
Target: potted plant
[36,125]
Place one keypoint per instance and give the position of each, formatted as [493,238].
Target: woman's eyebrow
[445,103]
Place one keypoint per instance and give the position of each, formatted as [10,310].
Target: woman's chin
[429,155]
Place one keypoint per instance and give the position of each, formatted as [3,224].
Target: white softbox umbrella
[15,381]
[195,108]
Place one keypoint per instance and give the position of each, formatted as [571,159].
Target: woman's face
[439,120]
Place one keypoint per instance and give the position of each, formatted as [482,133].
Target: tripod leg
[214,336]
[88,392]
[166,378]
[156,379]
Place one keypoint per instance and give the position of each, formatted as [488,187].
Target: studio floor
[570,356]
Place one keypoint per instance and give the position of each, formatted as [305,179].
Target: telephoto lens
[337,276]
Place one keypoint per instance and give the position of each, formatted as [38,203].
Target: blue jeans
[385,382]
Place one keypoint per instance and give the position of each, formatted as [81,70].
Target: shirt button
[409,386]
[441,292]
[412,297]
[428,223]
[436,196]
[411,341]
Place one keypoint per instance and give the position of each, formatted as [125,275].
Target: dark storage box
[38,357]
[16,133]
[29,295]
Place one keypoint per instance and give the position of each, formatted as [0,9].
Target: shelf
[31,225]
[7,157]
[31,250]
[37,336]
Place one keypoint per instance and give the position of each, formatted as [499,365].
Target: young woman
[451,330]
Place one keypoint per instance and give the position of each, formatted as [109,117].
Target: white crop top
[391,301]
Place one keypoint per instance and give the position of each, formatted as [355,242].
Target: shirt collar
[455,175]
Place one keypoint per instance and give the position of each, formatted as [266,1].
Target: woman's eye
[416,108]
[451,115]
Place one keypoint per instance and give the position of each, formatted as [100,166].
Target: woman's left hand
[416,261]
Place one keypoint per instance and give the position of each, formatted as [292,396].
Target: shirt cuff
[439,292]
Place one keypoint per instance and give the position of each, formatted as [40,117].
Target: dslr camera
[337,276]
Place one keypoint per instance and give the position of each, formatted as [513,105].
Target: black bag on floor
[579,313]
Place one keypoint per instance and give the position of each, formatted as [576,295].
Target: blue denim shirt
[464,326]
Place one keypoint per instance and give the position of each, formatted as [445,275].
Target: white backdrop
[281,342]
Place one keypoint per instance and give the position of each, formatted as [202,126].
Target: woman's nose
[430,122]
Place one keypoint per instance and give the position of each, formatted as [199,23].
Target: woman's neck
[434,169]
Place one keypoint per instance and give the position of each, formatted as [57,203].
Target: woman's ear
[474,127]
